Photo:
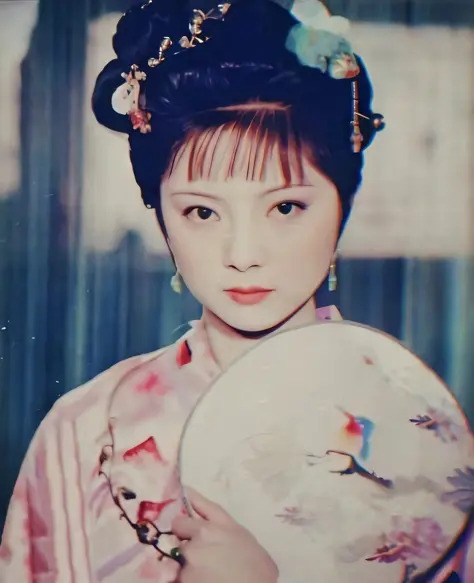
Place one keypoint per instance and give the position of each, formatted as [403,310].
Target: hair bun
[107,83]
[135,40]
[139,28]
[248,49]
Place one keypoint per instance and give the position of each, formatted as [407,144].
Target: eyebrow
[262,194]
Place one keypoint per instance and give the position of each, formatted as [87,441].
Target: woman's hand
[218,550]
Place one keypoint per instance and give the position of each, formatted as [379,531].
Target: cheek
[195,253]
[303,256]
[311,242]
[179,237]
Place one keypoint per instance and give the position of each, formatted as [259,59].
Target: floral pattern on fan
[296,516]
[463,494]
[312,514]
[349,464]
[440,424]
[409,541]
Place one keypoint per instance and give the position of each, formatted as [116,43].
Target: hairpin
[318,41]
[165,44]
[357,137]
[195,26]
[376,119]
[126,98]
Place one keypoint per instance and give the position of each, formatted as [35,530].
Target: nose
[243,247]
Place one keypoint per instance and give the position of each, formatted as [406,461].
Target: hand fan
[341,451]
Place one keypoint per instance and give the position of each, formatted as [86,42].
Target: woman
[246,134]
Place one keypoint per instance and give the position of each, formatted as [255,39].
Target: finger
[170,570]
[205,508]
[185,527]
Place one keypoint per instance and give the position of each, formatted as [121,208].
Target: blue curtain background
[66,315]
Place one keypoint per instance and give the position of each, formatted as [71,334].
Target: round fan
[343,453]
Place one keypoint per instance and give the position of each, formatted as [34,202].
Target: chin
[254,321]
[261,319]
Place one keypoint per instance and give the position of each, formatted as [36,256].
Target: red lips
[248,296]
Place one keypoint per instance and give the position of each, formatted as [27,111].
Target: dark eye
[203,213]
[199,213]
[286,208]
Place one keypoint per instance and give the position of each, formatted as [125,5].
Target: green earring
[332,279]
[176,283]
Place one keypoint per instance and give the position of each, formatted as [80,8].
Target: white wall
[17,18]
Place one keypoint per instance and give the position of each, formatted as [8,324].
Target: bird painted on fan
[356,434]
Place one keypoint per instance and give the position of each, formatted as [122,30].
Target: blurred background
[84,277]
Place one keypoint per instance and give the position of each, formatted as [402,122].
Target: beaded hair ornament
[317,40]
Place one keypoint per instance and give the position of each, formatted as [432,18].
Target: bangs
[248,141]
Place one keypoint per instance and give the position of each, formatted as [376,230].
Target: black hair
[245,61]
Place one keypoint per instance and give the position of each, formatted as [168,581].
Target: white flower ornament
[318,40]
[126,100]
[123,99]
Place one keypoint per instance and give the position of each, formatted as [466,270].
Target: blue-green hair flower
[318,40]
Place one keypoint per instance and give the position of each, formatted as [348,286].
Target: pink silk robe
[63,525]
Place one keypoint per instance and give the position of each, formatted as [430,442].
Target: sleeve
[26,549]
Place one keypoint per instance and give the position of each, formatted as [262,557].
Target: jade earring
[332,279]
[176,283]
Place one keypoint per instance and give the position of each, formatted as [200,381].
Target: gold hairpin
[164,46]
[357,137]
[195,26]
[139,117]
[377,120]
[137,74]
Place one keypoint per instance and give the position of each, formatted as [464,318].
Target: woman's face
[252,252]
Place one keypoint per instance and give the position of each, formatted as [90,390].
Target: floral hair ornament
[195,26]
[318,41]
[126,98]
